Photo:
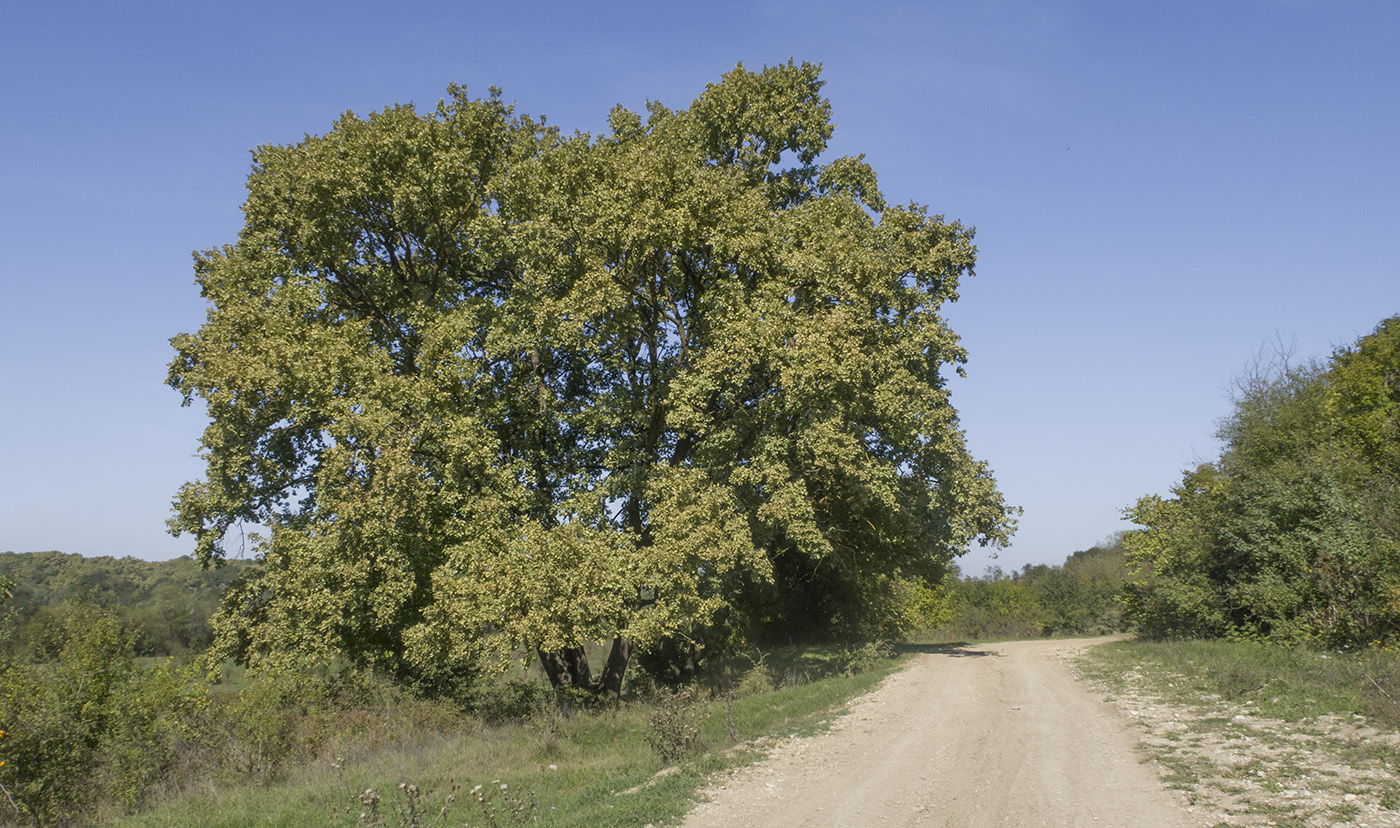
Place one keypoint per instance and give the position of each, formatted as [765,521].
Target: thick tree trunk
[616,667]
[567,667]
[675,659]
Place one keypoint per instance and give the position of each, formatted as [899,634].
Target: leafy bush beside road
[1293,534]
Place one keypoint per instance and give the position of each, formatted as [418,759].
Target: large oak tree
[493,387]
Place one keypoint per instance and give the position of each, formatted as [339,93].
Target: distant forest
[167,604]
[1080,597]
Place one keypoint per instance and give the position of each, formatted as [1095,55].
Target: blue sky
[1159,190]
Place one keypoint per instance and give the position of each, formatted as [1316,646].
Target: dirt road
[991,735]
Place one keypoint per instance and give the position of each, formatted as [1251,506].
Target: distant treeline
[1080,597]
[166,604]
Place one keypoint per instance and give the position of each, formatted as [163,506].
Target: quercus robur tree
[491,386]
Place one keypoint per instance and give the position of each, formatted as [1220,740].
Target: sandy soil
[990,735]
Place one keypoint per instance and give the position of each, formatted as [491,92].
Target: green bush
[156,736]
[1293,533]
[278,716]
[56,714]
[86,728]
[867,657]
[1081,597]
[755,680]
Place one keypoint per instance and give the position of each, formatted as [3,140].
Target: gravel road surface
[986,735]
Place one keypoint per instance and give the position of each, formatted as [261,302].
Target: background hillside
[167,603]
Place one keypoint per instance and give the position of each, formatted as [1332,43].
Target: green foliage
[86,727]
[277,716]
[1172,594]
[570,767]
[55,715]
[1365,399]
[91,732]
[156,737]
[167,604]
[1081,597]
[487,385]
[1294,533]
[757,679]
[868,656]
[928,606]
[996,606]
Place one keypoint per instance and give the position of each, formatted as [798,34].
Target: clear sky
[1159,189]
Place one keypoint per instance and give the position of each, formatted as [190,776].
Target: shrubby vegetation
[167,605]
[106,704]
[1080,597]
[97,728]
[92,731]
[85,726]
[1293,533]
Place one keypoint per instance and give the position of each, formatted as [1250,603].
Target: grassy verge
[1279,682]
[557,767]
[1257,735]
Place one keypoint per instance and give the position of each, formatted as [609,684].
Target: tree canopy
[490,386]
[1294,532]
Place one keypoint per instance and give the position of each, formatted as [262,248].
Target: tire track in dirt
[973,737]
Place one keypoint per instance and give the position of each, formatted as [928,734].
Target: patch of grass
[1236,695]
[569,767]
[1390,796]
[1278,814]
[1289,683]
[1180,775]
[1346,812]
[1364,751]
[1212,723]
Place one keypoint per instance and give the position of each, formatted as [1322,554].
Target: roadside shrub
[673,728]
[757,679]
[1293,533]
[868,656]
[87,728]
[56,713]
[512,700]
[279,716]
[157,739]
